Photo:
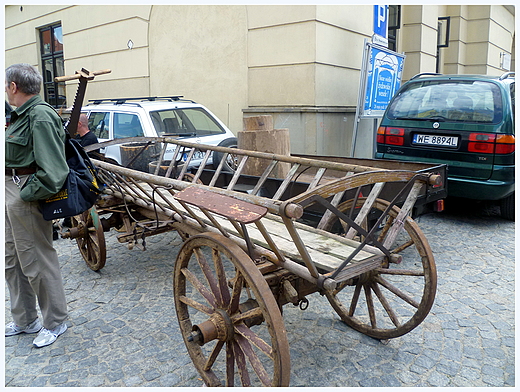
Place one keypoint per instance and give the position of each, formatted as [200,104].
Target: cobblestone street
[123,330]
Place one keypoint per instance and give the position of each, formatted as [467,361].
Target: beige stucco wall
[419,38]
[201,52]
[93,38]
[300,63]
[479,34]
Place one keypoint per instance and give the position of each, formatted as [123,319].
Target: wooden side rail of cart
[324,255]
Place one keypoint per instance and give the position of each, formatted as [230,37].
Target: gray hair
[26,77]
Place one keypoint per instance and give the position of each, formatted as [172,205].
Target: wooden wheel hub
[219,326]
[79,231]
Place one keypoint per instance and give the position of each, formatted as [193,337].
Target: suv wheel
[507,207]
[231,162]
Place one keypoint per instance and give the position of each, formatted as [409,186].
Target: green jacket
[35,138]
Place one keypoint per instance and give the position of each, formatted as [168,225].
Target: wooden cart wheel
[394,299]
[228,316]
[90,238]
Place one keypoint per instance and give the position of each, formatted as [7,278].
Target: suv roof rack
[507,75]
[425,74]
[120,101]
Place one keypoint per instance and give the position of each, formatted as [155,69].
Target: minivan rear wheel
[507,207]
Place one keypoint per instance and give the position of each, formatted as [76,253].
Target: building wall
[299,63]
[201,52]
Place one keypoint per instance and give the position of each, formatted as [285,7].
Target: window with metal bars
[51,49]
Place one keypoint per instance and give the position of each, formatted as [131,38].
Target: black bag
[81,188]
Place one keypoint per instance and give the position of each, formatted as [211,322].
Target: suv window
[185,122]
[99,123]
[127,125]
[473,101]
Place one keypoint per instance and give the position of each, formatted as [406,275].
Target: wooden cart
[252,245]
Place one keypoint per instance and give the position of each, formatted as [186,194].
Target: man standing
[36,169]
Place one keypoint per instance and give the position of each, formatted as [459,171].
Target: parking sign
[381,20]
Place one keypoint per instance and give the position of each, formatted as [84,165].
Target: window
[394,24]
[99,122]
[443,39]
[51,48]
[467,101]
[185,122]
[127,125]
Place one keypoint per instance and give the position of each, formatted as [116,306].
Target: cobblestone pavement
[124,333]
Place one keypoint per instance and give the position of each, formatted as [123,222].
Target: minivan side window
[127,125]
[99,123]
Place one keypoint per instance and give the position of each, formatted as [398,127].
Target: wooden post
[259,135]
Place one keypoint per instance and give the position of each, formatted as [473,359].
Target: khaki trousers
[32,270]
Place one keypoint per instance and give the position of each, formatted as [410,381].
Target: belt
[20,171]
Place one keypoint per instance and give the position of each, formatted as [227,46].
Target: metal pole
[361,97]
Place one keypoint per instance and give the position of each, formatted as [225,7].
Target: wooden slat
[365,209]
[286,182]
[202,165]
[160,160]
[319,174]
[264,176]
[238,172]
[172,161]
[219,169]
[398,222]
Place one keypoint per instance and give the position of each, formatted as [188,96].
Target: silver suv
[156,116]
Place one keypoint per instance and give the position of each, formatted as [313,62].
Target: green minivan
[464,121]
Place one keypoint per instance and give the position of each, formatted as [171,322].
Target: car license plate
[434,140]
[198,155]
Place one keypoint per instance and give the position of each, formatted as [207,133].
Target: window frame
[54,55]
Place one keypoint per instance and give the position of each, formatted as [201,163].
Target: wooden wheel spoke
[397,292]
[213,356]
[355,298]
[385,229]
[402,272]
[255,362]
[250,314]
[208,274]
[238,283]
[370,305]
[252,337]
[221,276]
[402,247]
[92,244]
[199,286]
[240,360]
[386,305]
[230,366]
[196,305]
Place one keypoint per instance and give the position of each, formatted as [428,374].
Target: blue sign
[384,74]
[381,20]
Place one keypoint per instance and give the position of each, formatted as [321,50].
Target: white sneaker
[13,329]
[49,336]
